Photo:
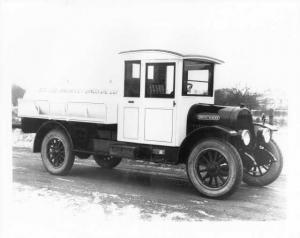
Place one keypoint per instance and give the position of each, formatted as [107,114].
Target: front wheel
[215,168]
[265,165]
[107,162]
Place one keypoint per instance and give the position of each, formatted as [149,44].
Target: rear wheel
[215,168]
[56,152]
[107,162]
[265,165]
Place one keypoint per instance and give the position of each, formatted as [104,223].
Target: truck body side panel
[92,112]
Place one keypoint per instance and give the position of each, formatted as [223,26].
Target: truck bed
[93,112]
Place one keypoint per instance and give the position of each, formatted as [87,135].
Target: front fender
[201,133]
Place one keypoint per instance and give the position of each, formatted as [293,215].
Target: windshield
[197,78]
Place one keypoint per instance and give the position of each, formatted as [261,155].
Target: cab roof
[158,53]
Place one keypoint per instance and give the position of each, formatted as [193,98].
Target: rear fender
[44,129]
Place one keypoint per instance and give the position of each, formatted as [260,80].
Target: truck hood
[235,118]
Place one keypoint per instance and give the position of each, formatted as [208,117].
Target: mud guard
[44,129]
[203,132]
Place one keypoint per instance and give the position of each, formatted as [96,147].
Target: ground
[134,190]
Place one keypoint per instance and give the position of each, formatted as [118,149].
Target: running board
[158,154]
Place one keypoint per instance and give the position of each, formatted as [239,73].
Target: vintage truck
[161,109]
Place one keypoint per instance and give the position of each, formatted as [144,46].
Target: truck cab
[159,89]
[160,109]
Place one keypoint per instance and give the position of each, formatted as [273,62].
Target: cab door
[159,103]
[129,111]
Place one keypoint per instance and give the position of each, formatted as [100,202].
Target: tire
[107,162]
[215,169]
[56,152]
[266,171]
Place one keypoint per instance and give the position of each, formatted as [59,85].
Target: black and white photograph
[149,118]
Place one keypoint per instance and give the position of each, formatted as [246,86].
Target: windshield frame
[210,67]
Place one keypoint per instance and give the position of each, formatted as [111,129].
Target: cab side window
[160,80]
[197,78]
[132,78]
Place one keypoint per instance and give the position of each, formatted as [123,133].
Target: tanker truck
[159,109]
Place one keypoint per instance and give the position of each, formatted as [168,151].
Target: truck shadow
[160,181]
[154,180]
[145,180]
[174,193]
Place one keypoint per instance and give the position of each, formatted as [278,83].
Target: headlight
[266,133]
[246,138]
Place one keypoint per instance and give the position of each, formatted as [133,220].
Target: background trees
[236,96]
[16,92]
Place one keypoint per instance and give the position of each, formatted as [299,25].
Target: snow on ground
[21,139]
[54,214]
[27,197]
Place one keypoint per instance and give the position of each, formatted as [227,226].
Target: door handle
[174,103]
[130,101]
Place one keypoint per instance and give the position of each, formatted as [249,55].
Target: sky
[48,42]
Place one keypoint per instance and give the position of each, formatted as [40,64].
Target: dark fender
[203,133]
[44,129]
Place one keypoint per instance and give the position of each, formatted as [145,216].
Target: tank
[87,100]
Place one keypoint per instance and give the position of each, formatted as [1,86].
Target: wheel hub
[55,152]
[212,168]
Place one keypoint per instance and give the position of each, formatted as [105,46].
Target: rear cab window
[132,78]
